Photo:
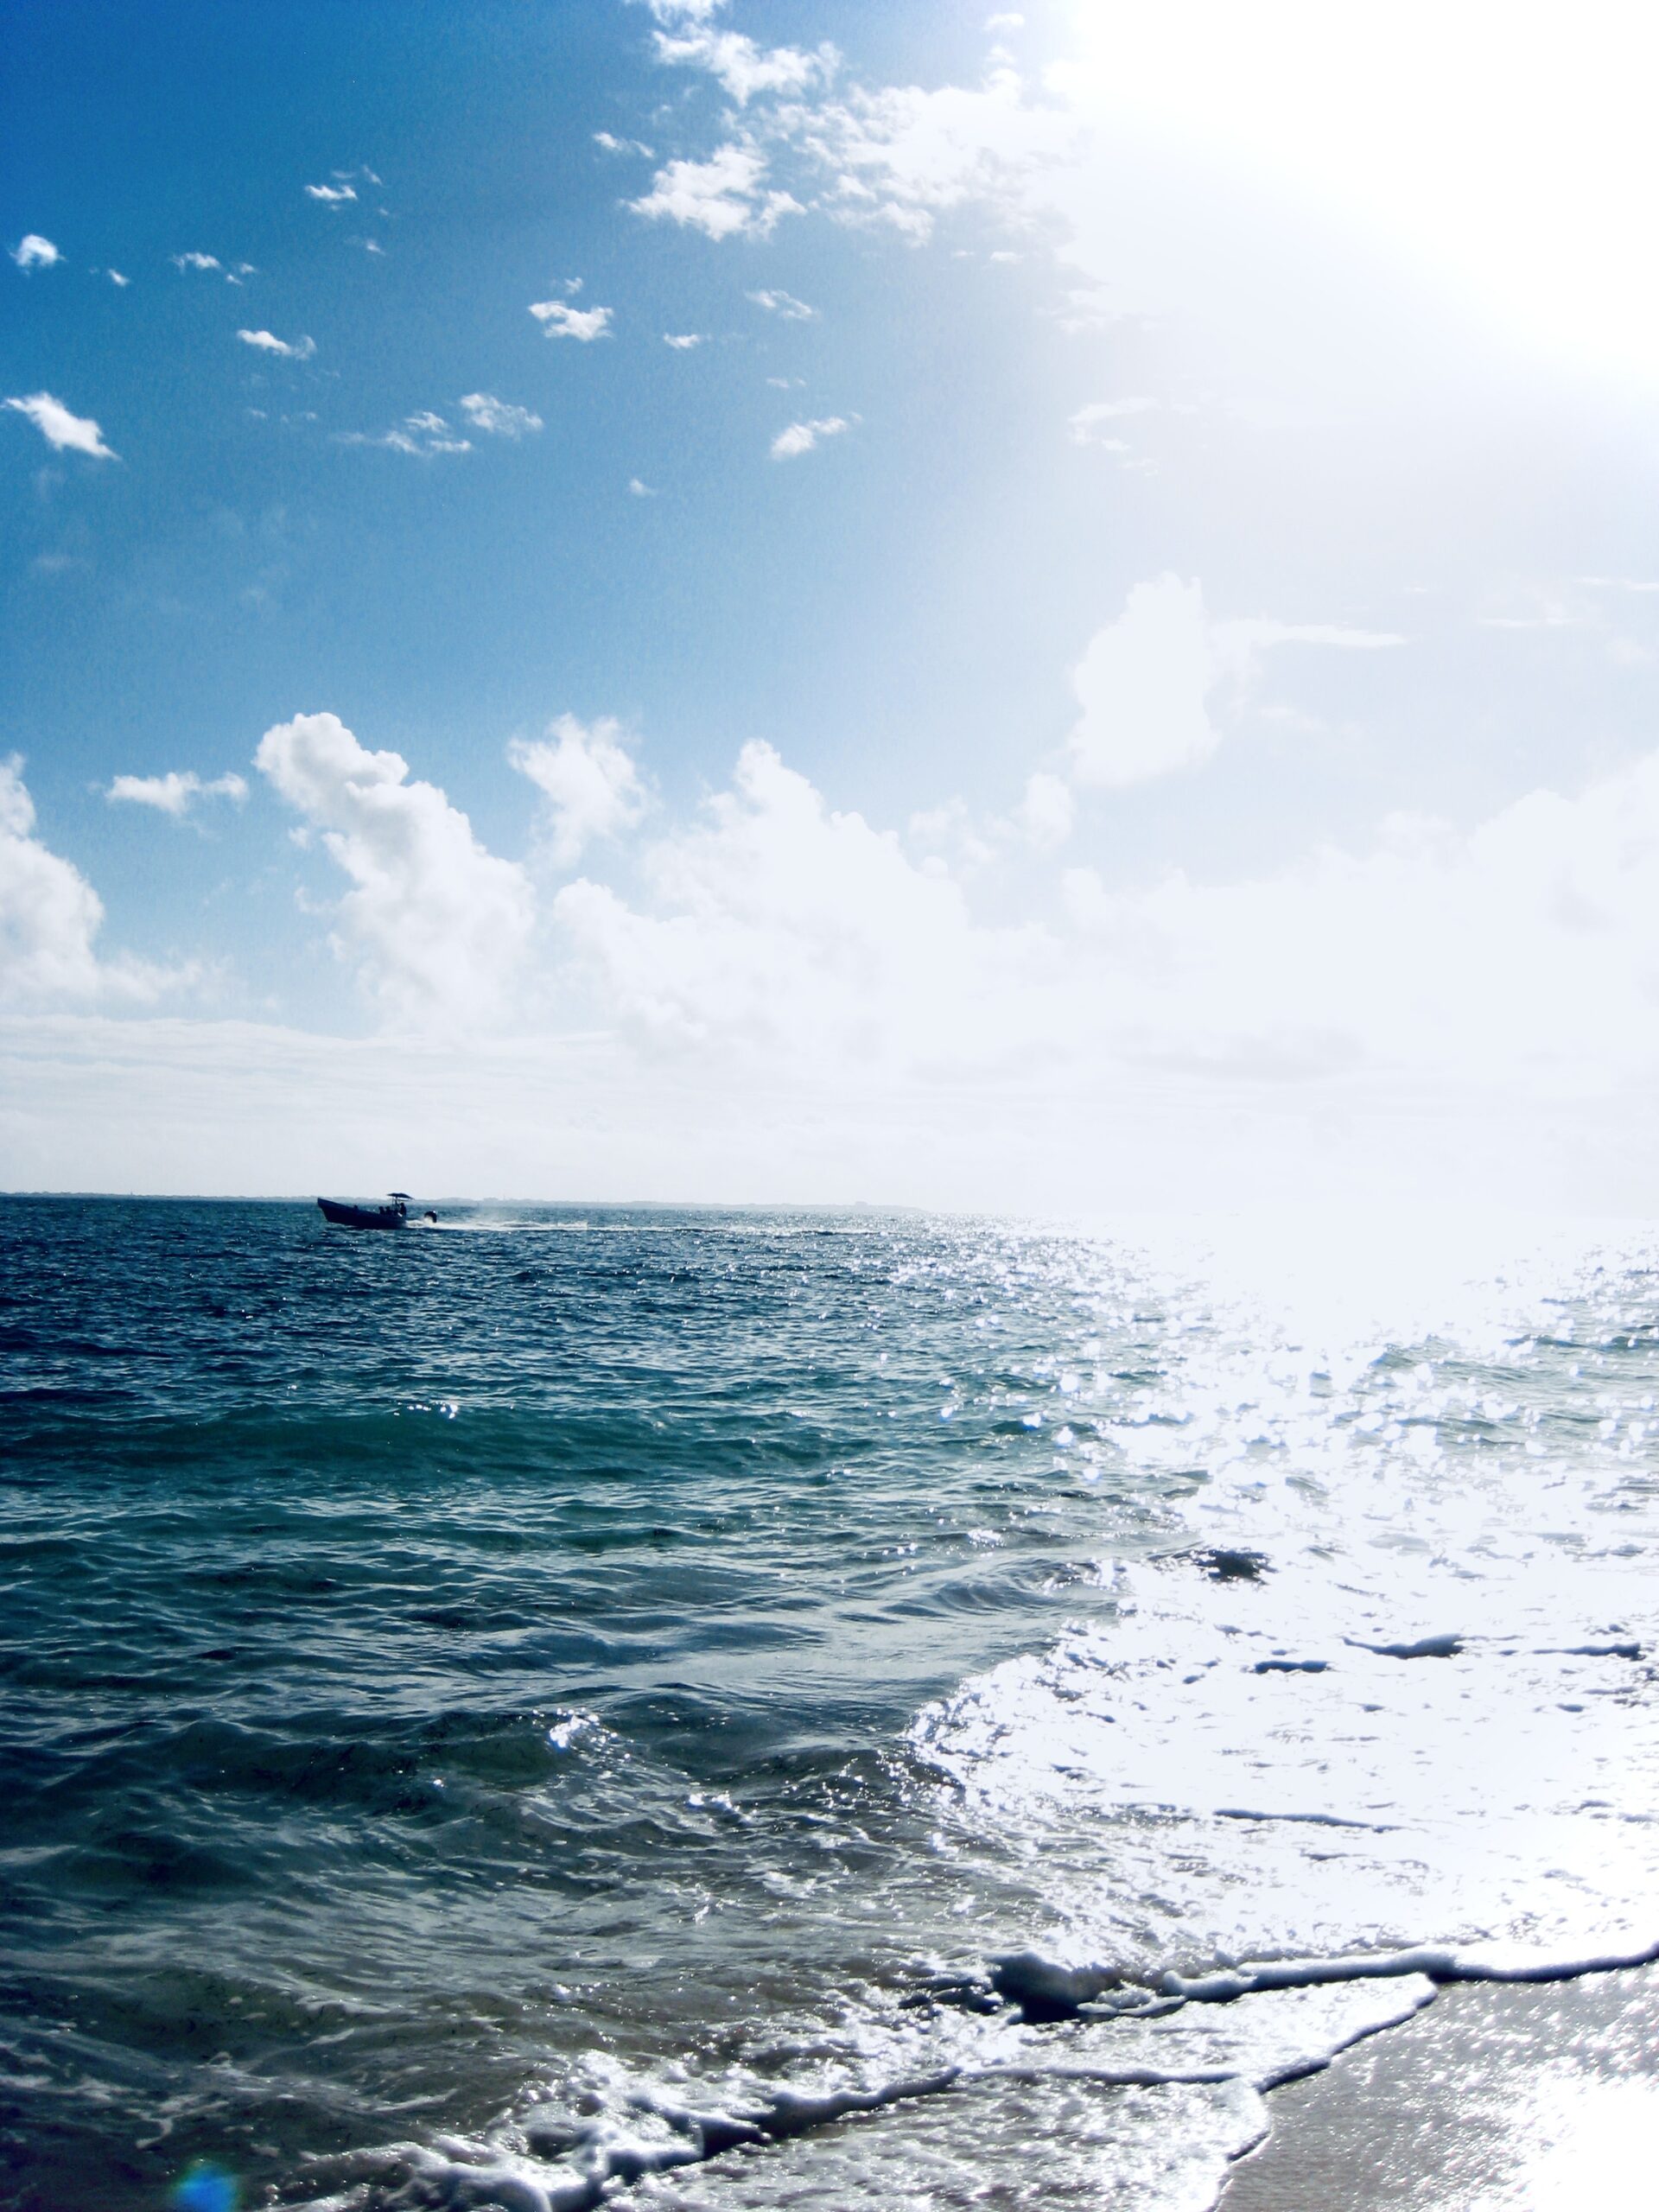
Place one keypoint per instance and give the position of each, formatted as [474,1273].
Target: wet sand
[1499,2098]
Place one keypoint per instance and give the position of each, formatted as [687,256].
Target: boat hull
[348,1217]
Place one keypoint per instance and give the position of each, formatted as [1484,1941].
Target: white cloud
[775,933]
[744,69]
[498,416]
[614,145]
[1142,685]
[801,437]
[904,157]
[1439,1011]
[786,304]
[49,914]
[436,927]
[116,277]
[420,433]
[182,261]
[332,195]
[559,319]
[723,197]
[176,791]
[302,349]
[1045,814]
[1005,23]
[640,489]
[682,340]
[774,926]
[50,917]
[1085,426]
[33,252]
[589,779]
[1145,683]
[66,432]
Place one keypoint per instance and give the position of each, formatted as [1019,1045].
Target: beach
[1493,2097]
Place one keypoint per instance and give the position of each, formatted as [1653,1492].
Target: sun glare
[1510,147]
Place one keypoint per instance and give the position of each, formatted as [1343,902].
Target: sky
[697,600]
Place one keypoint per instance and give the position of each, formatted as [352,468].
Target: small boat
[394,1214]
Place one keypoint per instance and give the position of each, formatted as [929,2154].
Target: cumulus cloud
[49,914]
[50,917]
[774,925]
[1144,684]
[1046,814]
[436,927]
[176,791]
[724,197]
[774,932]
[65,432]
[801,437]
[786,304]
[498,417]
[1436,951]
[301,349]
[559,319]
[589,779]
[682,340]
[182,261]
[332,195]
[33,252]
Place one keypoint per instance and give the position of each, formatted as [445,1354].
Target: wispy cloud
[193,260]
[682,340]
[176,791]
[498,416]
[641,490]
[420,435]
[784,304]
[332,195]
[801,437]
[1086,426]
[614,145]
[559,319]
[265,341]
[116,277]
[724,197]
[35,252]
[68,433]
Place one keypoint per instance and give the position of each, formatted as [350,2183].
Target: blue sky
[1133,612]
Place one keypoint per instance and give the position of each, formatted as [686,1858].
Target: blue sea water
[708,1710]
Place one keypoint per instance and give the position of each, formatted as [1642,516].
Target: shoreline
[1498,2094]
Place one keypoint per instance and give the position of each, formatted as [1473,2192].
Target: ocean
[716,1710]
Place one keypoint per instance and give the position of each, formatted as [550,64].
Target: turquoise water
[576,1706]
